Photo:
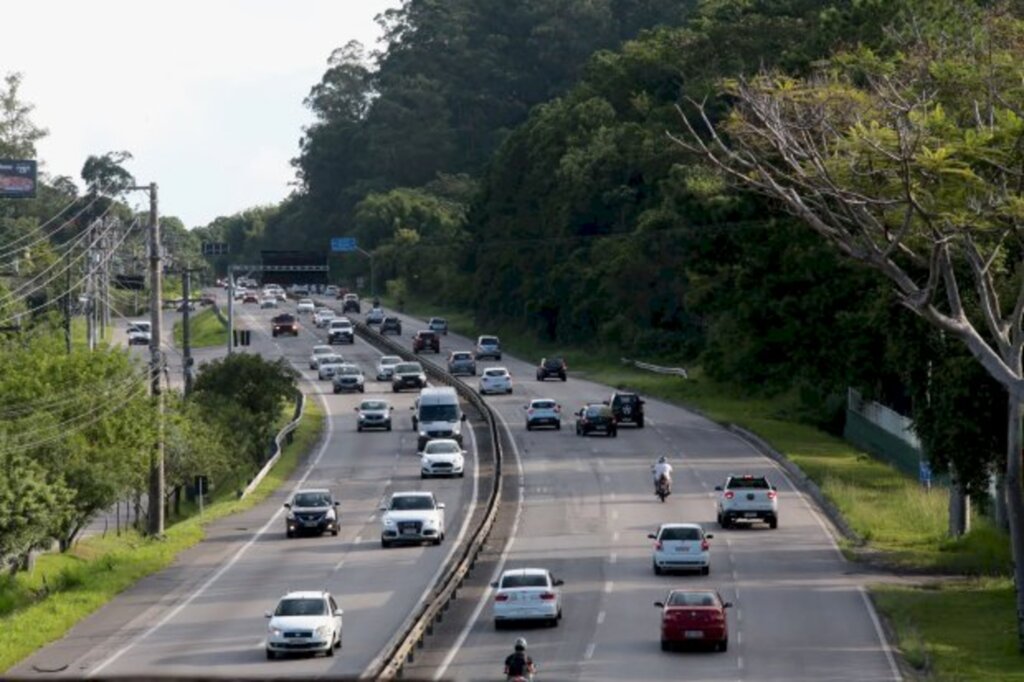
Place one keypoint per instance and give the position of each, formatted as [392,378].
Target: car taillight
[501,597]
[547,596]
[529,411]
[704,546]
[729,494]
[657,545]
[772,494]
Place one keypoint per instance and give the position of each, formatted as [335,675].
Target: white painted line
[739,637]
[231,562]
[615,536]
[735,576]
[590,651]
[371,517]
[609,585]
[262,643]
[486,596]
[739,662]
[739,615]
[615,514]
[337,566]
[614,558]
[359,538]
[600,618]
[881,634]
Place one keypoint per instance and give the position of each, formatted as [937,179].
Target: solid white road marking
[739,662]
[881,634]
[615,536]
[590,651]
[231,562]
[615,514]
[600,618]
[359,538]
[337,566]
[614,558]
[739,637]
[609,585]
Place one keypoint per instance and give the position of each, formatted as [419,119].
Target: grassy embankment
[41,607]
[206,328]
[963,630]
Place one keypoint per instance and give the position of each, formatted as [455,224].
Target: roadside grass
[961,631]
[206,328]
[40,607]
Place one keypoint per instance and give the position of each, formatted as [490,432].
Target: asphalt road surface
[800,613]
[204,616]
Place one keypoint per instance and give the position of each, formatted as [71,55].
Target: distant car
[408,375]
[191,305]
[596,418]
[694,617]
[323,317]
[311,510]
[304,622]
[240,294]
[350,304]
[268,302]
[330,290]
[413,516]
[495,380]
[551,367]
[285,324]
[391,325]
[341,331]
[374,414]
[488,347]
[523,594]
[250,298]
[328,365]
[305,305]
[543,412]
[747,498]
[425,340]
[461,362]
[139,333]
[348,377]
[207,300]
[319,352]
[439,325]
[300,290]
[628,408]
[375,316]
[281,295]
[386,367]
[442,457]
[681,546]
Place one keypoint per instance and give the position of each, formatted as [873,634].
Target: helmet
[662,460]
[520,644]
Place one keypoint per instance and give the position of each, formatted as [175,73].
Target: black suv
[426,340]
[627,408]
[551,367]
[285,324]
[596,417]
[391,325]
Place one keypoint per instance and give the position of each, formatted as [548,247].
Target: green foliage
[18,134]
[207,330]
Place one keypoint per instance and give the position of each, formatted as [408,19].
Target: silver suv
[461,362]
[488,347]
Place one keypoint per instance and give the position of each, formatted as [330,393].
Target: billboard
[17,179]
[297,267]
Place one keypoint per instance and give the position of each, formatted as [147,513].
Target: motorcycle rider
[518,665]
[662,469]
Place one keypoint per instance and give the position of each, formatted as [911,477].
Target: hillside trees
[909,163]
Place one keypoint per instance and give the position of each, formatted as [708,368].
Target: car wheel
[359,428]
[388,427]
[385,543]
[725,521]
[437,541]
[362,389]
[271,655]
[723,645]
[553,623]
[657,568]
[705,570]
[337,390]
[462,474]
[288,534]
[614,433]
[640,423]
[665,645]
[510,391]
[330,650]
[773,523]
[529,427]
[498,625]
[558,426]
[422,475]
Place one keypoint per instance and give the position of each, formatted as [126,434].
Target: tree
[18,134]
[908,162]
[105,175]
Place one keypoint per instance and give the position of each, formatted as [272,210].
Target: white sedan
[442,457]
[306,305]
[304,622]
[323,317]
[329,364]
[527,594]
[495,380]
[681,547]
[318,353]
[386,367]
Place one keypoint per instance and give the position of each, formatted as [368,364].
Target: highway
[203,616]
[800,609]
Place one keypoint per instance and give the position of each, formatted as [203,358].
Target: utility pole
[156,460]
[231,309]
[186,332]
[67,310]
[90,290]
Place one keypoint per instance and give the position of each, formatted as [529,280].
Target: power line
[14,246]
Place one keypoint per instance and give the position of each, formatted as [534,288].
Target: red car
[694,617]
[250,298]
[426,340]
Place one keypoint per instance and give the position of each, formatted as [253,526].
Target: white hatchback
[386,367]
[496,380]
[681,547]
[527,594]
[442,457]
[304,622]
[328,365]
[306,305]
[543,412]
[318,353]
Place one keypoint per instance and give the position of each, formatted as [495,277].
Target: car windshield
[373,405]
[680,534]
[322,350]
[408,368]
[693,599]
[488,340]
[284,319]
[390,360]
[442,448]
[340,324]
[301,607]
[306,301]
[437,320]
[595,411]
[411,503]
[461,356]
[426,335]
[349,370]
[524,580]
[553,362]
[138,328]
[439,413]
[495,373]
[312,500]
[759,483]
[625,399]
[543,404]
[332,360]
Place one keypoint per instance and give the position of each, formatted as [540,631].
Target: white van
[437,414]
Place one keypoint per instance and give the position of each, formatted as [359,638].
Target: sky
[206,95]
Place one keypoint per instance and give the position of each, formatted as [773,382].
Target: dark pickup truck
[285,324]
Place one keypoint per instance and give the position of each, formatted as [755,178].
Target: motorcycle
[663,488]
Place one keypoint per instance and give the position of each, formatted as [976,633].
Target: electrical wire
[14,246]
[21,408]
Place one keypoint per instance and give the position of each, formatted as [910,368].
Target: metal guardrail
[399,650]
[676,371]
[300,406]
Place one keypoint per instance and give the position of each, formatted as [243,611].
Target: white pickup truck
[747,498]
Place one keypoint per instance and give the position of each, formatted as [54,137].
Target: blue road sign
[342,244]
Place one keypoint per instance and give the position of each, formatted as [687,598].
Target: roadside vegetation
[40,607]
[207,330]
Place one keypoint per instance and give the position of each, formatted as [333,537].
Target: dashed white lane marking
[735,576]
[262,643]
[614,558]
[615,536]
[739,637]
[371,517]
[739,615]
[337,566]
[615,514]
[607,478]
[609,585]
[611,495]
[590,651]
[359,538]
[600,618]
[739,662]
